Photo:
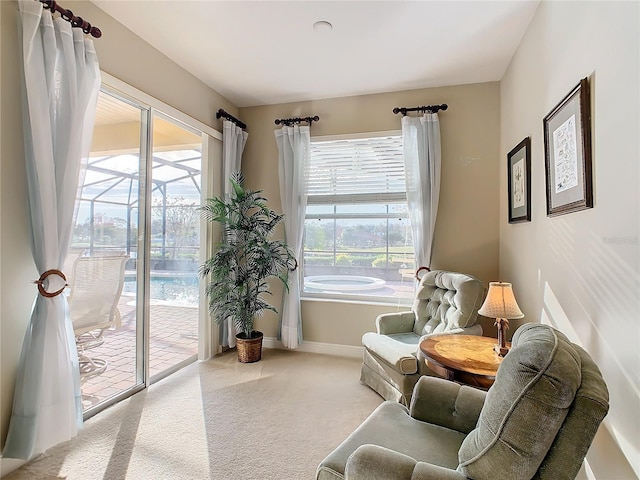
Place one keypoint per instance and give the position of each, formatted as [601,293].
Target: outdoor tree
[181,220]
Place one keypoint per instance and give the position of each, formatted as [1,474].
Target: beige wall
[125,56]
[122,55]
[16,264]
[580,271]
[467,226]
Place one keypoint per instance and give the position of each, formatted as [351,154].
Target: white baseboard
[318,347]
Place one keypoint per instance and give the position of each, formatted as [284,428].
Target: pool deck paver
[173,339]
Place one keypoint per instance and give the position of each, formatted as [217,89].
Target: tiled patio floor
[173,339]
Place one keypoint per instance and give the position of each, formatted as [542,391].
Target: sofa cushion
[398,350]
[446,301]
[390,426]
[524,409]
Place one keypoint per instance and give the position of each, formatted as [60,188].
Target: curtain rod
[77,22]
[290,121]
[426,108]
[231,118]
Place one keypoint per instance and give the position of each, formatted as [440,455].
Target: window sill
[357,300]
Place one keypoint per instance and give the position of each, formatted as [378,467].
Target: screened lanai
[107,212]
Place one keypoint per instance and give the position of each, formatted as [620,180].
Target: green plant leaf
[241,267]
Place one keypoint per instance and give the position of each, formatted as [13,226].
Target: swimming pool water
[181,290]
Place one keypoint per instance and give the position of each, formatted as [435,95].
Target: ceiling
[268,52]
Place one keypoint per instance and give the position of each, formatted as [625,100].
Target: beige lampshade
[500,302]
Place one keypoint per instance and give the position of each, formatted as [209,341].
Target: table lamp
[501,305]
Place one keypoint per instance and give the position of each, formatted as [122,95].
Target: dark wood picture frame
[567,153]
[519,182]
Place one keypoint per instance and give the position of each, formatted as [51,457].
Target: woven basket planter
[249,350]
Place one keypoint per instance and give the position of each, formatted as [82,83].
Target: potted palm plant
[244,263]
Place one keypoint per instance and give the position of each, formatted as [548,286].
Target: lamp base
[501,351]
[501,347]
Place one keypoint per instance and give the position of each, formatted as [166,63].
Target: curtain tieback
[417,275]
[40,283]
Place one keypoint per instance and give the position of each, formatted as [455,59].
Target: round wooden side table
[468,359]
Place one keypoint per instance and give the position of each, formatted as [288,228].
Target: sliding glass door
[103,254]
[132,268]
[175,245]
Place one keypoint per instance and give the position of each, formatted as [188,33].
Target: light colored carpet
[274,419]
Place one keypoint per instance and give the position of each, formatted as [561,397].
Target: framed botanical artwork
[519,182]
[567,153]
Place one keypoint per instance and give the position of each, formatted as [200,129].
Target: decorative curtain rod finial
[231,118]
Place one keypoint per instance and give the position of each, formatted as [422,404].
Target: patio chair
[95,287]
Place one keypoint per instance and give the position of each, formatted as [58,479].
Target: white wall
[580,272]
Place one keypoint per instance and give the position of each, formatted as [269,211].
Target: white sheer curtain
[61,83]
[293,164]
[422,160]
[233,141]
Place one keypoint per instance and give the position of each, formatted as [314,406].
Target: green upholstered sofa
[445,302]
[536,422]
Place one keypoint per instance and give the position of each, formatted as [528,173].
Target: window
[357,239]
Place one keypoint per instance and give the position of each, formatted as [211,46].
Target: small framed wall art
[567,153]
[519,182]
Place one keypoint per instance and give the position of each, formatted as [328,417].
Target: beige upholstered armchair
[537,421]
[446,302]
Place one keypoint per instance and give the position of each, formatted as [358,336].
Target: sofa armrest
[397,322]
[372,462]
[445,403]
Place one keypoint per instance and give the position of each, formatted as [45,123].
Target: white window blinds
[357,170]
